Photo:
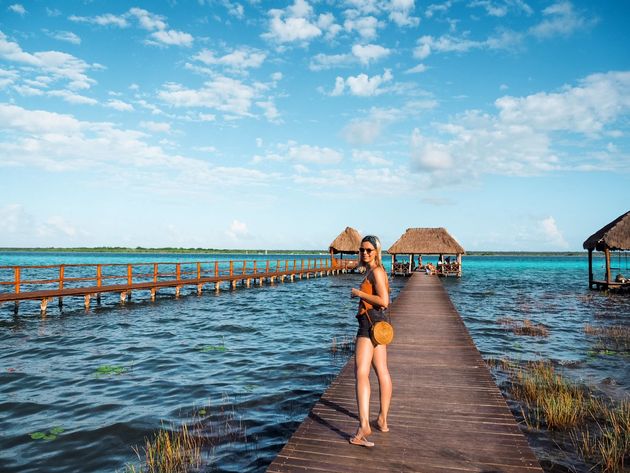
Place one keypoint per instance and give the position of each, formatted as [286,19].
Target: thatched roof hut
[427,241]
[612,237]
[348,241]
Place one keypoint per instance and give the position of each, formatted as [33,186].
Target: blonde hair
[376,243]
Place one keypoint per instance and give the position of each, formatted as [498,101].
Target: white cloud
[56,226]
[101,20]
[400,12]
[587,108]
[239,60]
[370,157]
[326,22]
[519,139]
[314,154]
[438,8]
[369,52]
[429,155]
[362,132]
[66,36]
[291,151]
[552,233]
[119,105]
[238,230]
[61,66]
[58,142]
[72,97]
[362,85]
[17,8]
[321,61]
[14,220]
[561,20]
[366,26]
[270,110]
[156,127]
[416,69]
[171,38]
[500,8]
[224,94]
[292,24]
[156,24]
[147,20]
[368,129]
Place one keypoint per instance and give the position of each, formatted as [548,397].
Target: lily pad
[49,435]
[202,412]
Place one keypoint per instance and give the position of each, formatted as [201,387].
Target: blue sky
[252,124]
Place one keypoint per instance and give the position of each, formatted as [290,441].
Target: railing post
[244,267]
[129,275]
[155,272]
[99,281]
[62,269]
[267,267]
[216,269]
[255,268]
[231,268]
[198,271]
[17,279]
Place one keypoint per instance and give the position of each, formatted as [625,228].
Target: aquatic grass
[551,399]
[597,429]
[615,338]
[526,327]
[170,451]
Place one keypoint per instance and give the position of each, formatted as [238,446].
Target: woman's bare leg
[379,361]
[363,360]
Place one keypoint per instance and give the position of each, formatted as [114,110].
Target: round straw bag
[381,330]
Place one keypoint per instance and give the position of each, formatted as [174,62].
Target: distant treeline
[139,249]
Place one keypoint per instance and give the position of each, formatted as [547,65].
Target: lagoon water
[250,363]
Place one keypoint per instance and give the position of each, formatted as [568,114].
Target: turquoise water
[249,362]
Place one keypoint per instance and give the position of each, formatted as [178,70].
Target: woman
[373,293]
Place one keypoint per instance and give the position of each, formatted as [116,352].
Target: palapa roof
[348,241]
[426,241]
[614,236]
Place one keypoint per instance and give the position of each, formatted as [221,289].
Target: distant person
[373,293]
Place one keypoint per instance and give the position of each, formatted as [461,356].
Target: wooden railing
[19,283]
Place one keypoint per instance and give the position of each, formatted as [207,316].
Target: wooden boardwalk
[92,280]
[447,414]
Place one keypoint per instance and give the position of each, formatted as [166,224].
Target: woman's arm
[381,298]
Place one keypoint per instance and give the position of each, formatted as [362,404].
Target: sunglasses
[366,250]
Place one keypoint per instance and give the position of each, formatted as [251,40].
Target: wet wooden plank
[447,414]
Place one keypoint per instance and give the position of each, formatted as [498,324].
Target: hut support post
[607,253]
[459,265]
[590,268]
[393,263]
[410,260]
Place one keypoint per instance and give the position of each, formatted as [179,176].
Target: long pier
[447,414]
[45,283]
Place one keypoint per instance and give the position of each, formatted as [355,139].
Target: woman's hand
[354,292]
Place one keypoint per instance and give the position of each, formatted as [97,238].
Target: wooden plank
[447,414]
